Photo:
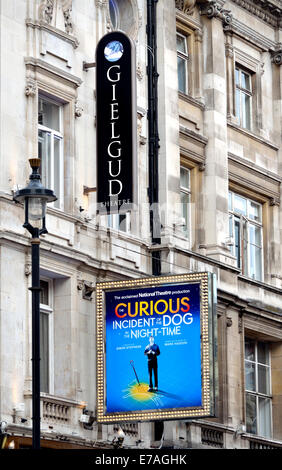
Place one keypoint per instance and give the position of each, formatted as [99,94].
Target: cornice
[250,35]
[269,11]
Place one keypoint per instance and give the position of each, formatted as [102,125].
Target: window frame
[185,57]
[50,167]
[113,222]
[187,191]
[245,92]
[48,309]
[244,236]
[255,393]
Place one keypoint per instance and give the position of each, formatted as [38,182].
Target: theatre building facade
[216,185]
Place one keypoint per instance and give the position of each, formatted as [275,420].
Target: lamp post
[35,198]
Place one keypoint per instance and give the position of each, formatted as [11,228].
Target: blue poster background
[178,336]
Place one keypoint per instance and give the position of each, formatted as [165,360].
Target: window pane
[44,293]
[237,76]
[237,242]
[254,211]
[230,201]
[184,198]
[237,104]
[57,169]
[255,263]
[44,153]
[250,354]
[240,204]
[255,235]
[246,111]
[250,376]
[263,380]
[44,352]
[49,115]
[264,417]
[245,81]
[122,222]
[181,44]
[184,178]
[251,413]
[263,353]
[181,63]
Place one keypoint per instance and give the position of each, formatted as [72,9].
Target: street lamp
[35,198]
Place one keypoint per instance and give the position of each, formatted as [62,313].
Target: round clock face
[113,51]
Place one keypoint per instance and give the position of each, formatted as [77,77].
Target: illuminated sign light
[116,123]
[156,343]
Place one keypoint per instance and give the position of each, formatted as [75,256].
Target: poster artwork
[153,348]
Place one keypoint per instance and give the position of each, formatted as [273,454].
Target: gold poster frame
[207,361]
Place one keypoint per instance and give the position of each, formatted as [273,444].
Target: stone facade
[44,44]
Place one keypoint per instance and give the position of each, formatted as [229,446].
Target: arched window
[124,16]
[114,13]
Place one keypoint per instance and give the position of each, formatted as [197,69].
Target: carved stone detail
[27,269]
[46,10]
[139,72]
[78,110]
[187,6]
[277,55]
[263,9]
[101,3]
[31,87]
[67,10]
[274,201]
[212,9]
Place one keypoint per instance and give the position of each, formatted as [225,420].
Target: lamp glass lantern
[35,198]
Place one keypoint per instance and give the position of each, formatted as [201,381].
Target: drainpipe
[153,133]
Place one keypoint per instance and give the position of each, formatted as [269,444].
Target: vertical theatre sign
[116,123]
[156,348]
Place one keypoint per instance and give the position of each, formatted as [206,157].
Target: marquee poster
[156,345]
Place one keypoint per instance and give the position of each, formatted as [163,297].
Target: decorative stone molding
[101,3]
[31,87]
[67,12]
[86,287]
[277,54]
[229,50]
[27,269]
[46,12]
[187,6]
[250,35]
[269,11]
[139,72]
[274,201]
[140,115]
[214,9]
[78,109]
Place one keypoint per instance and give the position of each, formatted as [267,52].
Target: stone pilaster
[215,129]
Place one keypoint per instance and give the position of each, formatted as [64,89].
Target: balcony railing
[58,411]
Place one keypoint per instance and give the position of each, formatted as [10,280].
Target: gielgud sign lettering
[116,122]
